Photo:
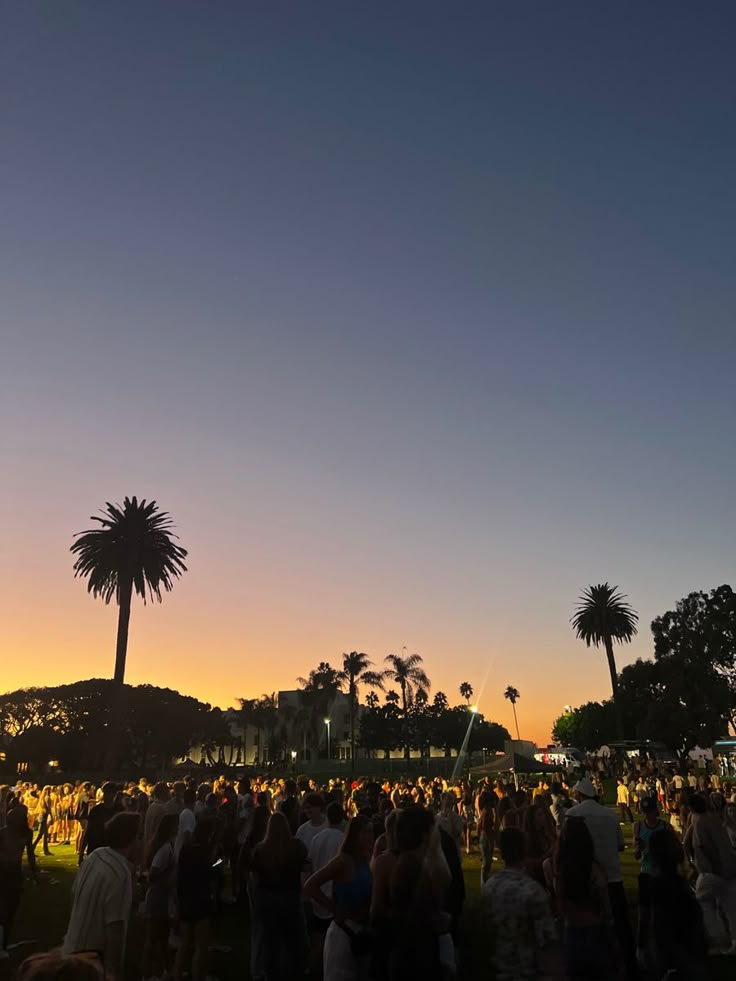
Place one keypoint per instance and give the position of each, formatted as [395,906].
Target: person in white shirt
[323,848]
[314,808]
[608,842]
[102,896]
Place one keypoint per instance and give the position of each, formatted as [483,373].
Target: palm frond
[135,543]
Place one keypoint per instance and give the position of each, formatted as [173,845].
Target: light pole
[327,723]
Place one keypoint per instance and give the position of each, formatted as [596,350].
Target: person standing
[486,832]
[102,896]
[275,869]
[98,820]
[323,848]
[15,838]
[525,938]
[623,799]
[650,825]
[314,810]
[590,946]
[608,842]
[155,811]
[349,873]
[715,861]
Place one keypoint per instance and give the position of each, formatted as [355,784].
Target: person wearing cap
[650,825]
[608,842]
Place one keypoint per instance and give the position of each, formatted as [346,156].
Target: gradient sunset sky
[418,317]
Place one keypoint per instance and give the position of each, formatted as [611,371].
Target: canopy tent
[514,762]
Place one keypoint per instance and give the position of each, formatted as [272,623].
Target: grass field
[45,909]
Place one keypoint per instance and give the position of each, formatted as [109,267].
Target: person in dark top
[194,884]
[420,879]
[15,839]
[99,815]
[275,868]
[455,896]
[677,929]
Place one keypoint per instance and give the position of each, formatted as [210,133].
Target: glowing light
[474,709]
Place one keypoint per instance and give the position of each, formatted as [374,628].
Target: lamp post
[327,723]
[293,759]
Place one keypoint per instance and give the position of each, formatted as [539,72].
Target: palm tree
[356,670]
[513,696]
[466,691]
[407,673]
[602,617]
[317,695]
[134,549]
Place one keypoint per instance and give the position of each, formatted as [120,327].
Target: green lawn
[45,908]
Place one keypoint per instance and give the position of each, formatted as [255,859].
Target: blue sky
[419,318]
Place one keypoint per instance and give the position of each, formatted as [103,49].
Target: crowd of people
[363,878]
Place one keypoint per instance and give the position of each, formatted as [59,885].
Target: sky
[417,317]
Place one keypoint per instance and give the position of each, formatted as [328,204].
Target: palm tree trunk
[121,646]
[404,706]
[352,731]
[516,721]
[117,708]
[614,688]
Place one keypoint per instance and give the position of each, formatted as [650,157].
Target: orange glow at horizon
[202,642]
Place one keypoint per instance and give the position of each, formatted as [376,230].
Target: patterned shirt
[522,924]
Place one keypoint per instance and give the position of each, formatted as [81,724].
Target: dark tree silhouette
[466,691]
[602,617]
[407,673]
[133,549]
[356,671]
[512,694]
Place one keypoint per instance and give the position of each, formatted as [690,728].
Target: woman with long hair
[275,889]
[590,948]
[255,836]
[161,871]
[194,885]
[420,881]
[352,881]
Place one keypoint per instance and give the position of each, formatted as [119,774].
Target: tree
[466,691]
[512,694]
[356,670]
[372,700]
[134,549]
[603,617]
[488,736]
[407,673]
[587,727]
[701,630]
[381,728]
[439,702]
[317,695]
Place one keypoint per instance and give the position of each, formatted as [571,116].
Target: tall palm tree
[406,671]
[356,670]
[466,691]
[132,550]
[512,694]
[602,617]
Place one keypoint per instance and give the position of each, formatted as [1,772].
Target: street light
[327,723]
